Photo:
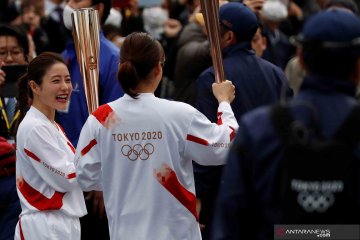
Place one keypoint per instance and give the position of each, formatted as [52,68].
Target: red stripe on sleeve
[38,200]
[219,121]
[168,179]
[88,147]
[32,155]
[71,175]
[232,134]
[197,140]
[102,113]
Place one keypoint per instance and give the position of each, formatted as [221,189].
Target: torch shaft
[210,10]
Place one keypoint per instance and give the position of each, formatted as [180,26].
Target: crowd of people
[170,154]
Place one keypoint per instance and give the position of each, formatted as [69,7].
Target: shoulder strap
[349,131]
[282,119]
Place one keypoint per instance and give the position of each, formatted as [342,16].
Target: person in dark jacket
[193,57]
[251,197]
[257,81]
[14,49]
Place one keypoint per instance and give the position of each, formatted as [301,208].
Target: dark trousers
[10,208]
[92,227]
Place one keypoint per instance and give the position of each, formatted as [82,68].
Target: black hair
[20,35]
[107,7]
[36,70]
[140,53]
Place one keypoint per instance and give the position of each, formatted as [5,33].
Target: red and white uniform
[50,197]
[140,152]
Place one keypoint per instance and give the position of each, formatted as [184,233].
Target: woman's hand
[224,91]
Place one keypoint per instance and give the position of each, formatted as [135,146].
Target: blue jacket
[109,87]
[257,83]
[248,188]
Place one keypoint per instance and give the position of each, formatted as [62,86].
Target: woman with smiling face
[51,200]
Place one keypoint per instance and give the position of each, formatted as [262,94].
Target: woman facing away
[50,197]
[139,149]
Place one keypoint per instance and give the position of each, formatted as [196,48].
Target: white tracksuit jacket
[140,152]
[46,178]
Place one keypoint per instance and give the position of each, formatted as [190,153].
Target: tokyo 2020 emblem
[137,151]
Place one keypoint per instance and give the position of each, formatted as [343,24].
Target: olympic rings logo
[315,201]
[138,151]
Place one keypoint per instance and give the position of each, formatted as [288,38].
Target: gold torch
[210,11]
[86,33]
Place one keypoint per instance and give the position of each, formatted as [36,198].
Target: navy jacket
[248,188]
[257,83]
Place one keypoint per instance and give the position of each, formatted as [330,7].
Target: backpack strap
[349,131]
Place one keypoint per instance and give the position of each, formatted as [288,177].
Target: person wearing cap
[257,82]
[250,198]
[293,71]
[14,49]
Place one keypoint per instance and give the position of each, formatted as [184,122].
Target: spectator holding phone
[14,49]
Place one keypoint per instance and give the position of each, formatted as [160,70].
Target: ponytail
[128,78]
[24,95]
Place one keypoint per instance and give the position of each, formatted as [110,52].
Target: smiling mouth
[62,98]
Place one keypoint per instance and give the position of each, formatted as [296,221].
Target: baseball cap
[347,4]
[336,31]
[239,19]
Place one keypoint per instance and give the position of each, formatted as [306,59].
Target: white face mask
[67,17]
[275,10]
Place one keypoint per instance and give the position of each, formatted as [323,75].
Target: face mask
[275,11]
[67,17]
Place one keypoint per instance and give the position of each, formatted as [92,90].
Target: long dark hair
[107,7]
[36,70]
[140,53]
